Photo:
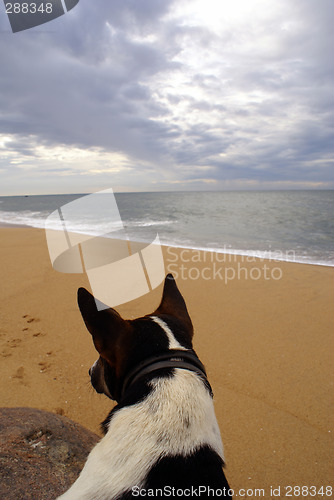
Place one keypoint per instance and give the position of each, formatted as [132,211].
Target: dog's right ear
[173,304]
[103,324]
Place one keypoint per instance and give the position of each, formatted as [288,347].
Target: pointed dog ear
[104,324]
[173,304]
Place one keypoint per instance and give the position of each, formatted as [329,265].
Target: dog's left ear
[173,304]
[104,325]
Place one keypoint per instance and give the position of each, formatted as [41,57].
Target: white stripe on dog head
[173,343]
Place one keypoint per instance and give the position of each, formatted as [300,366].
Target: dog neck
[175,358]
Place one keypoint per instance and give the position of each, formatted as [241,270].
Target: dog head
[122,344]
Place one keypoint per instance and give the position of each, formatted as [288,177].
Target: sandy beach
[263,329]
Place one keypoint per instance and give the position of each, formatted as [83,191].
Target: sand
[264,334]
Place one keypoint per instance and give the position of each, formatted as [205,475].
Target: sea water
[286,225]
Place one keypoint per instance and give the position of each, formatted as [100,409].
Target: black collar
[176,358]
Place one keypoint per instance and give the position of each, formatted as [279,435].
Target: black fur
[200,474]
[122,345]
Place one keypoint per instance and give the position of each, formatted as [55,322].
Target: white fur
[176,418]
[173,343]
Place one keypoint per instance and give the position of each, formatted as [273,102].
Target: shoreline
[249,255]
[267,346]
[9,224]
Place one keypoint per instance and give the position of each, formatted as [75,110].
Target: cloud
[241,91]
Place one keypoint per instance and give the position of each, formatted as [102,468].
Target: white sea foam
[275,256]
[148,223]
[300,221]
[33,219]
[36,219]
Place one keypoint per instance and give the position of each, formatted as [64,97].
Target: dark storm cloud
[82,87]
[123,77]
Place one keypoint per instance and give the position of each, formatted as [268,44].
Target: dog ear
[103,324]
[173,304]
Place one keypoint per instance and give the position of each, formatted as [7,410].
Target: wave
[271,255]
[37,219]
[148,223]
[32,219]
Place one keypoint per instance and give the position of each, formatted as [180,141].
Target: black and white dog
[162,439]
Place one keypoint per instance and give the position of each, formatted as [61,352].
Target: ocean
[295,226]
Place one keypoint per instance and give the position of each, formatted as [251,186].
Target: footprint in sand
[44,366]
[5,353]
[59,411]
[31,321]
[20,376]
[38,334]
[14,343]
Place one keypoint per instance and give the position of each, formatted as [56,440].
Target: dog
[162,438]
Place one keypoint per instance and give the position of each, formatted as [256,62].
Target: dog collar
[176,358]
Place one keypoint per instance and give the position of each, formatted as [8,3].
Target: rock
[41,454]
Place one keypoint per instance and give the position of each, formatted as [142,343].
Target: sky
[159,95]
